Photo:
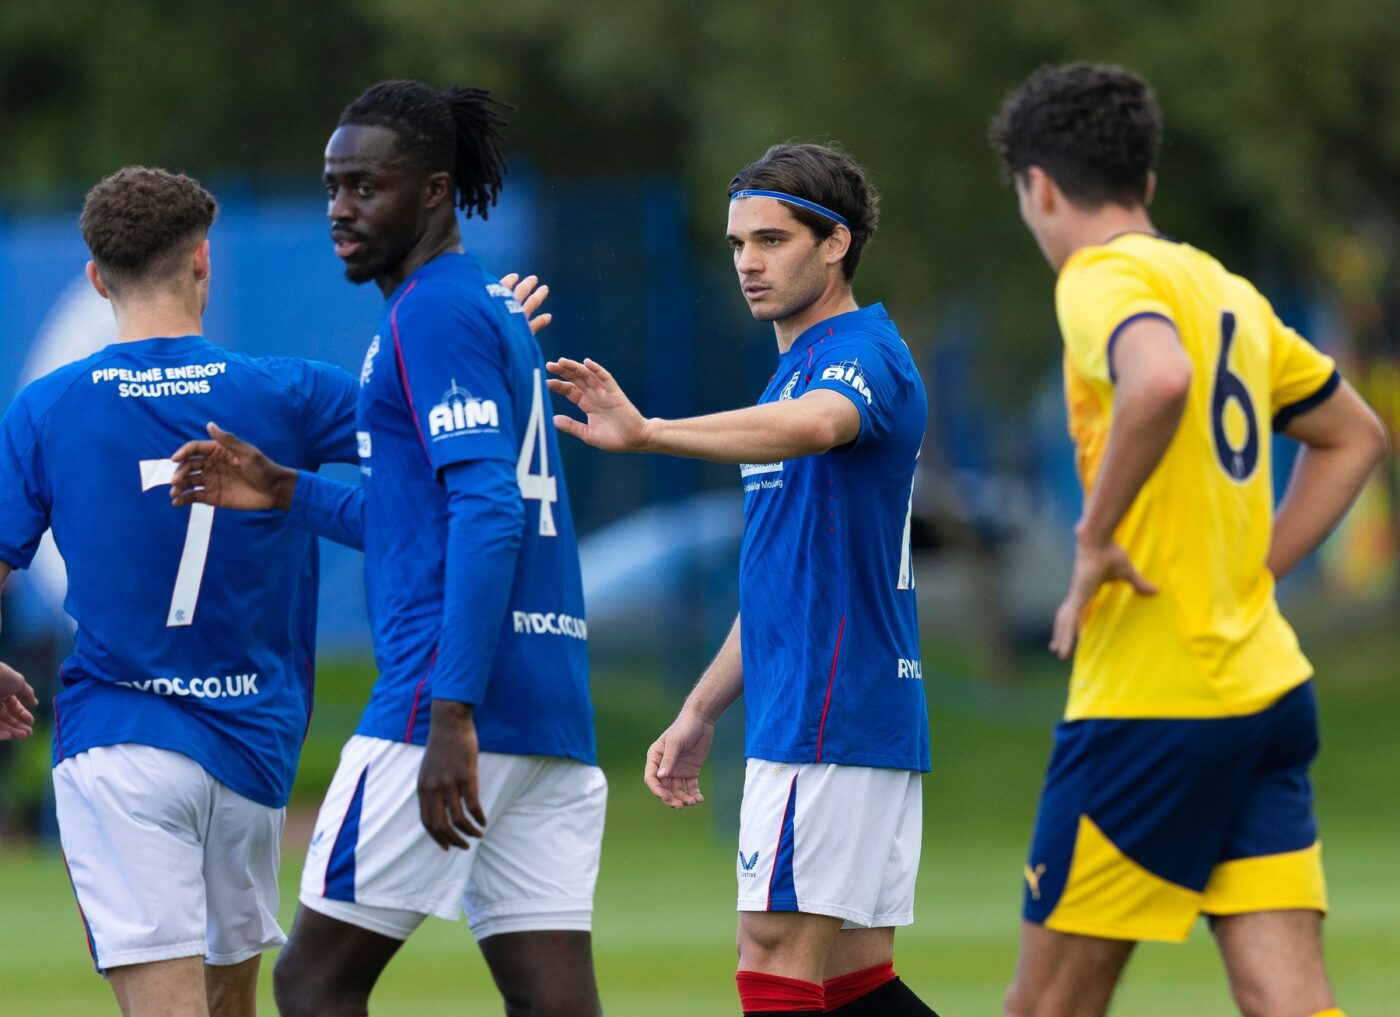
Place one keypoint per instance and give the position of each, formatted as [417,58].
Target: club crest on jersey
[849,371]
[460,411]
[786,393]
[367,368]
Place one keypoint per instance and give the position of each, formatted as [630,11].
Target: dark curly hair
[1095,129]
[457,130]
[139,223]
[827,176]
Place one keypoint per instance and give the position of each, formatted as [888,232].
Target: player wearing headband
[825,650]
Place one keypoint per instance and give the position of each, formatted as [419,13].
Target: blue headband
[793,199]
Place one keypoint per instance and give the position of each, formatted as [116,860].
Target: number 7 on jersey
[159,473]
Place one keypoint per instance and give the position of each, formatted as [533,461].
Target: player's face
[376,201]
[779,260]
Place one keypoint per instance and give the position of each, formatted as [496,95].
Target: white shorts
[166,862]
[834,840]
[373,865]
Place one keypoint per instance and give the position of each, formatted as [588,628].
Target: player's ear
[439,188]
[1042,190]
[837,245]
[96,280]
[200,261]
[1150,191]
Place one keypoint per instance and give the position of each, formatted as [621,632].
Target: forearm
[723,681]
[756,434]
[1142,430]
[329,509]
[1324,483]
[485,518]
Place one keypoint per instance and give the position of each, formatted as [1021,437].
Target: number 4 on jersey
[158,473]
[540,487]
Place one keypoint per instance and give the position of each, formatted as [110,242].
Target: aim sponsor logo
[849,372]
[460,412]
[230,686]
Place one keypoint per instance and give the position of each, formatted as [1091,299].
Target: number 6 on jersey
[158,473]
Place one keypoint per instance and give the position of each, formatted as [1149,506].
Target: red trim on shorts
[413,711]
[403,372]
[821,728]
[851,987]
[82,915]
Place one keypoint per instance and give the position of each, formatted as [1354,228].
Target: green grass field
[665,923]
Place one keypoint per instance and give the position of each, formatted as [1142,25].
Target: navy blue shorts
[1146,824]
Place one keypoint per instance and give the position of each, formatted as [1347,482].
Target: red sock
[763,993]
[849,988]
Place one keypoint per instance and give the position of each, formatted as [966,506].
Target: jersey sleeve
[328,412]
[867,375]
[24,508]
[1301,375]
[452,362]
[1095,300]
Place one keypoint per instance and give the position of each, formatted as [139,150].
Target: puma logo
[1033,880]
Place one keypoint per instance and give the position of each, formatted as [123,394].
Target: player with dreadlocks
[475,595]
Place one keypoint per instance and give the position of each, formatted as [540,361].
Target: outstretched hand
[529,294]
[15,695]
[227,472]
[1094,565]
[613,424]
[673,762]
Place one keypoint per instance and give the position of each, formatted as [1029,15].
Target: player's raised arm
[818,421]
[1343,441]
[674,760]
[1152,379]
[227,472]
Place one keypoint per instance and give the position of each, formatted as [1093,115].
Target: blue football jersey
[195,626]
[829,631]
[454,375]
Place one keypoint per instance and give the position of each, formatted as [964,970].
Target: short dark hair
[455,130]
[140,222]
[827,176]
[1095,129]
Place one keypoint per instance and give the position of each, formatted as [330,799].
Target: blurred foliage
[1282,116]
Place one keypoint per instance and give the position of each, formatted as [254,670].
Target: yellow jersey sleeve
[1301,375]
[1097,296]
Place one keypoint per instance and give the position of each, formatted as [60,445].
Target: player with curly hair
[1178,785]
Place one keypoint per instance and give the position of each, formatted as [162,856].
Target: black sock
[893,999]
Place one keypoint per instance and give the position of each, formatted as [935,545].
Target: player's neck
[440,238]
[1103,224]
[835,299]
[158,316]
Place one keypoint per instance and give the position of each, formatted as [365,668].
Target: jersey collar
[837,323]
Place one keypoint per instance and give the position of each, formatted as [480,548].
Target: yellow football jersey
[1211,642]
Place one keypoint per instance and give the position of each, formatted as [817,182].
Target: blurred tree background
[1282,116]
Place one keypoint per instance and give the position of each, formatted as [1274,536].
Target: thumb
[1139,584]
[670,749]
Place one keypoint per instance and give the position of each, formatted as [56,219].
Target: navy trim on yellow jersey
[1289,413]
[1118,331]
